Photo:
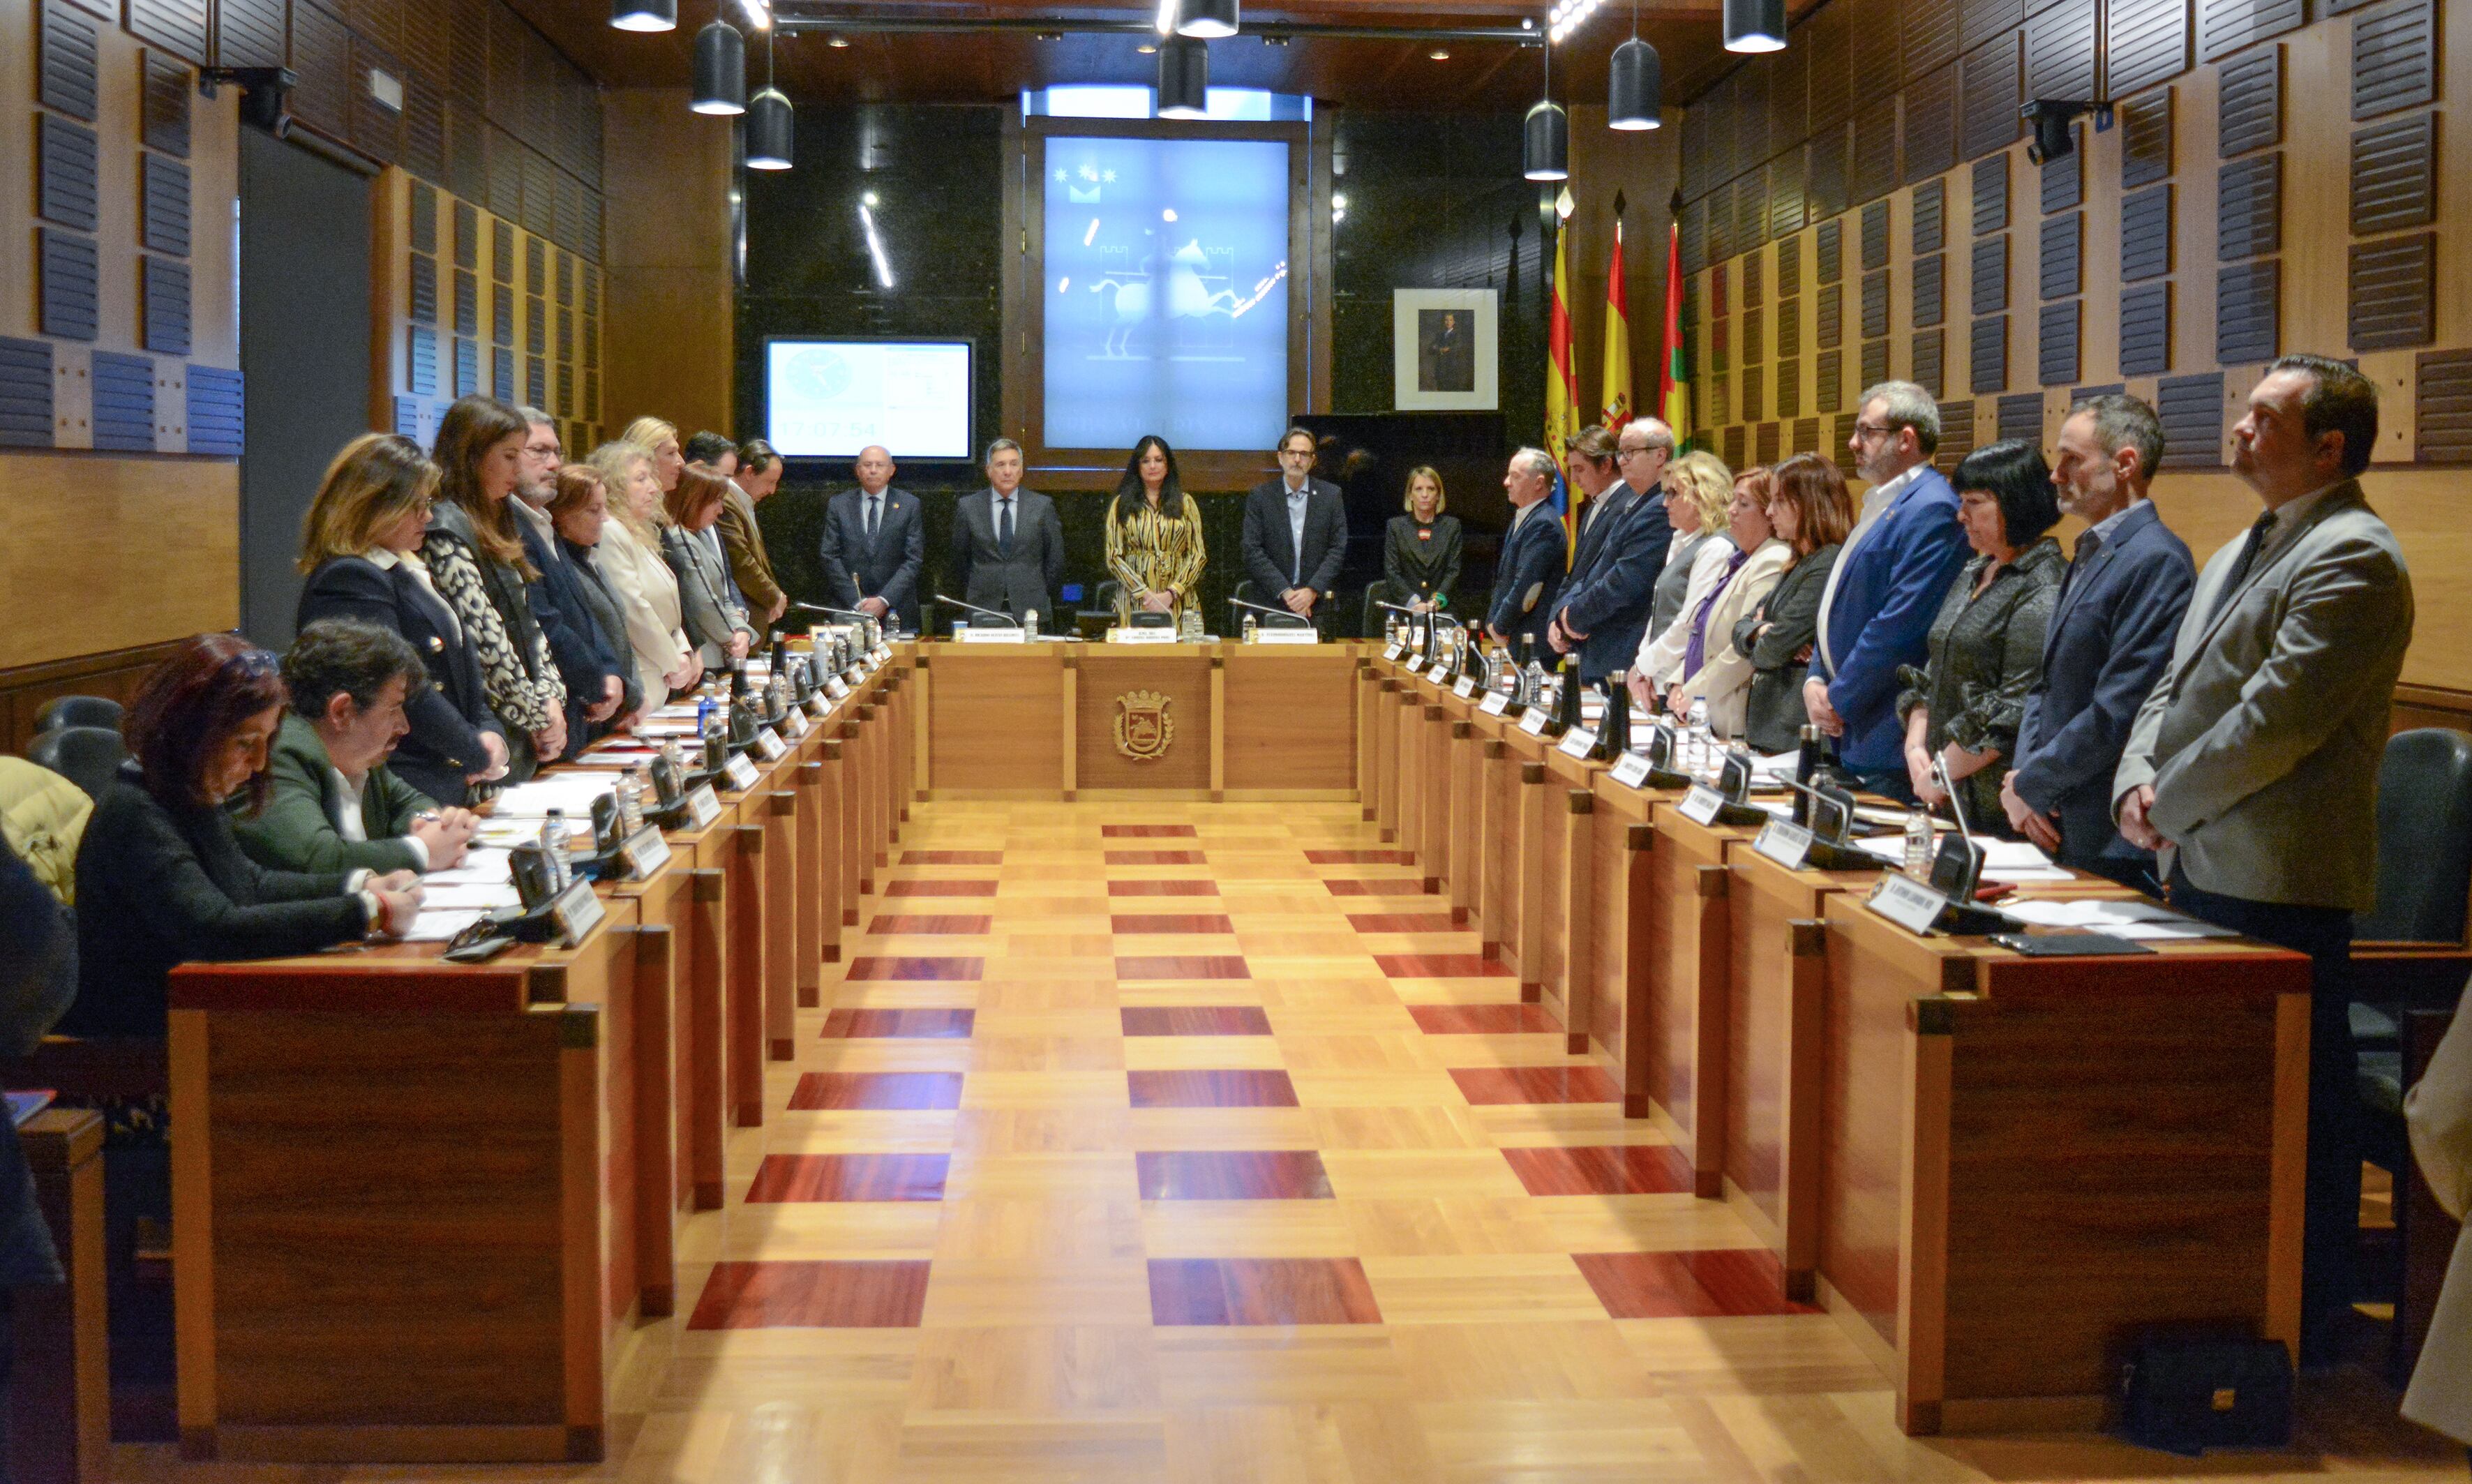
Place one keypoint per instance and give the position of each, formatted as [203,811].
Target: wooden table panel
[1286,718]
[1105,679]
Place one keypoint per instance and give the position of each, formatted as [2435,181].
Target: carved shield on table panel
[1144,730]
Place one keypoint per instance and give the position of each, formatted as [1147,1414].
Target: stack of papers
[482,865]
[2121,919]
[571,790]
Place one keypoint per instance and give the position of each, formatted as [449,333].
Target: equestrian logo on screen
[1144,729]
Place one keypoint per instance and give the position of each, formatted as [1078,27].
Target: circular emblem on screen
[820,374]
[1144,729]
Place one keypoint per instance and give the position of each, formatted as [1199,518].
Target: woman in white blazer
[1697,488]
[1713,669]
[2439,1112]
[630,557]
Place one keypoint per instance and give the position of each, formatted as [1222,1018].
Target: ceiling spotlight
[643,15]
[1183,78]
[1635,88]
[1755,25]
[1207,19]
[759,15]
[768,128]
[1051,36]
[719,70]
[837,42]
[1545,146]
[1167,17]
[1147,48]
[1439,54]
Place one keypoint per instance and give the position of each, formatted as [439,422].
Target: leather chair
[1376,593]
[2424,839]
[77,711]
[88,756]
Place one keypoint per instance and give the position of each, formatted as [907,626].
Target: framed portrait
[1444,353]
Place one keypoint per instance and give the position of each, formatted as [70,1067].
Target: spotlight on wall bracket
[264,94]
[2050,119]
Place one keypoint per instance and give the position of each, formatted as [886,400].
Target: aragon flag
[1673,375]
[1617,408]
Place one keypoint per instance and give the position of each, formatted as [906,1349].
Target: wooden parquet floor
[1270,1181]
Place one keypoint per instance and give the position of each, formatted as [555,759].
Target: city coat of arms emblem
[1144,730]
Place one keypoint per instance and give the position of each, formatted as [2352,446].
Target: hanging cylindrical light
[1209,19]
[769,121]
[1545,148]
[1635,88]
[643,15]
[719,70]
[1755,25]
[1183,78]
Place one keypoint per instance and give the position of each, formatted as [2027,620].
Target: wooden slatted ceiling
[2144,42]
[2394,175]
[2146,329]
[2250,114]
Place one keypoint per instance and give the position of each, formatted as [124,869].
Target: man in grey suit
[875,541]
[1007,545]
[1296,532]
[2253,766]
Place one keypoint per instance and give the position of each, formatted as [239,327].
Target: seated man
[333,805]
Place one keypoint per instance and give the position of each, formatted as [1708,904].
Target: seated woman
[360,546]
[1697,488]
[1986,646]
[1154,546]
[630,556]
[694,507]
[1714,670]
[1809,511]
[161,878]
[579,511]
[333,803]
[1421,551]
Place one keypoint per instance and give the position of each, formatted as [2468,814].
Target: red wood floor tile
[1360,857]
[1147,832]
[1728,1283]
[1601,1169]
[1195,1020]
[1237,1088]
[1261,1291]
[1169,922]
[949,924]
[952,858]
[900,1024]
[1479,1019]
[818,1091]
[1394,922]
[1154,858]
[1442,965]
[784,1177]
[900,967]
[1162,888]
[1245,1175]
[812,1296]
[1181,966]
[939,888]
[1356,886]
[1489,1084]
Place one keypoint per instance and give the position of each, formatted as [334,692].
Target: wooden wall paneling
[1693,229]
[1873,172]
[1991,184]
[1873,33]
[1827,189]
[2021,416]
[1749,105]
[2191,412]
[2061,260]
[425,127]
[148,547]
[2144,42]
[1789,73]
[178,26]
[2225,26]
[2443,407]
[2394,57]
[2144,234]
[322,47]
[1824,36]
[2251,116]
[1930,124]
[250,33]
[2248,207]
[2394,175]
[2146,329]
[377,129]
[1720,223]
[2248,304]
[1956,434]
[1993,78]
[1984,19]
[1989,278]
[1987,355]
[2393,288]
[1787,198]
[2060,51]
[2058,361]
[467,151]
[1933,34]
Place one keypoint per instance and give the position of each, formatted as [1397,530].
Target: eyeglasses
[1631,452]
[1873,430]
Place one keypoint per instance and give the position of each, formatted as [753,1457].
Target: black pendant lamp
[719,70]
[1183,78]
[769,121]
[1755,25]
[643,15]
[1545,144]
[1207,19]
[1635,88]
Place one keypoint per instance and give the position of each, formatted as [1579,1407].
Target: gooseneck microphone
[972,608]
[1287,615]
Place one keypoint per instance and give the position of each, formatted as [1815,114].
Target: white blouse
[1660,654]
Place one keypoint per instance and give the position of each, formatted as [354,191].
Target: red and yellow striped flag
[1562,385]
[1617,381]
[1674,376]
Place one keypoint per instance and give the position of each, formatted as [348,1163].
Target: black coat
[447,719]
[161,887]
[1528,579]
[577,646]
[609,615]
[1422,566]
[1270,544]
[1773,713]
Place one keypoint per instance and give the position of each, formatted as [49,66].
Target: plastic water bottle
[1703,745]
[1531,676]
[1249,626]
[1922,843]
[1030,623]
[630,798]
[553,843]
[704,710]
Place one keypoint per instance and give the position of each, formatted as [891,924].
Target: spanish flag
[1617,384]
[1674,377]
[1561,386]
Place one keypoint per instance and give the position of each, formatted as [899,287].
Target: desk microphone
[1399,608]
[972,608]
[834,612]
[1289,618]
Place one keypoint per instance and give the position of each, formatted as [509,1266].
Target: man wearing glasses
[1296,532]
[1622,538]
[1876,612]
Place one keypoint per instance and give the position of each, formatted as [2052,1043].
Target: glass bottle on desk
[1189,629]
[553,843]
[1703,743]
[1922,842]
[1250,627]
[1532,673]
[630,798]
[1030,624]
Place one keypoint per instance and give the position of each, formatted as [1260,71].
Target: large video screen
[829,398]
[1166,293]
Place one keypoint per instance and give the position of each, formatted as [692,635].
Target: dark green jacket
[296,831]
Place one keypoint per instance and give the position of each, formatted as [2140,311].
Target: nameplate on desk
[1577,742]
[1285,634]
[974,634]
[1702,805]
[1442,667]
[1788,844]
[1907,902]
[769,742]
[1465,688]
[1393,650]
[881,654]
[645,852]
[740,770]
[576,912]
[1631,770]
[836,687]
[1536,721]
[1495,702]
[814,705]
[703,806]
[1129,636]
[794,723]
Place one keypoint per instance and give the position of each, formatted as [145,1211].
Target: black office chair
[1376,593]
[88,756]
[77,711]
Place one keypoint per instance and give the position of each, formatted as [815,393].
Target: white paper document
[2122,919]
[482,865]
[438,924]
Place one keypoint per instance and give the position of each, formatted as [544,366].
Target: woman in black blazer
[1421,551]
[361,545]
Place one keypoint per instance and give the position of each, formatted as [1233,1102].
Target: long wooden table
[420,1208]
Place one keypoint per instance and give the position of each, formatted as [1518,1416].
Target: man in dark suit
[1623,538]
[1876,612]
[1528,574]
[2111,630]
[1295,532]
[875,541]
[1007,545]
[595,676]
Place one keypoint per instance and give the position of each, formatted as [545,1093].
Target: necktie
[1004,527]
[871,503]
[2242,565]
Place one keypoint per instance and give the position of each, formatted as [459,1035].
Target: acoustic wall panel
[124,402]
[2191,412]
[1984,19]
[1789,268]
[163,203]
[2060,51]
[407,418]
[2250,115]
[1929,360]
[1765,443]
[2146,140]
[1871,39]
[1720,399]
[25,393]
[2225,26]
[2146,329]
[1956,435]
[2394,175]
[467,303]
[1754,282]
[163,112]
[1875,362]
[1828,253]
[2056,356]
[1829,318]
[2079,395]
[502,373]
[424,126]
[178,26]
[65,74]
[1989,357]
[1931,125]
[2248,207]
[2394,57]
[1789,327]
[1933,33]
[1928,273]
[1753,403]
[321,58]
[1930,216]
[1875,235]
[502,314]
[2146,234]
[1873,171]
[1736,447]
[1804,436]
[2020,416]
[2442,406]
[1875,303]
[67,292]
[250,33]
[216,425]
[163,304]
[1991,195]
[2144,42]
[1785,197]
[1695,236]
[2392,289]
[1829,190]
[1991,276]
[535,380]
[1750,211]
[1841,442]
[67,163]
[467,367]
[1789,388]
[421,373]
[2061,261]
[2248,304]
[423,299]
[1829,393]
[1993,77]
[1824,36]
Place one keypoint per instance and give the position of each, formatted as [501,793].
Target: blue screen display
[1166,293]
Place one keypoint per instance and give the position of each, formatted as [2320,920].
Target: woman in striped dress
[1154,547]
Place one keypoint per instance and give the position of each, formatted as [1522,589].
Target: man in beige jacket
[2438,1111]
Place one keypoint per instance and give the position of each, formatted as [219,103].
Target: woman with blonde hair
[694,505]
[1698,487]
[1421,551]
[630,558]
[659,442]
[1715,669]
[475,553]
[360,546]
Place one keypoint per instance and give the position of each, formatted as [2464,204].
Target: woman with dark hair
[1154,547]
[475,553]
[694,506]
[1809,511]
[579,509]
[1421,551]
[360,546]
[161,878]
[1986,646]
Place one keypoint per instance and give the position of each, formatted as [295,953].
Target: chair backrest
[1376,593]
[2424,838]
[1104,598]
[87,756]
[77,711]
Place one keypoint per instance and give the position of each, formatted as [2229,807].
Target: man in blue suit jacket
[1527,575]
[1605,604]
[2111,633]
[595,676]
[875,543]
[1887,586]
